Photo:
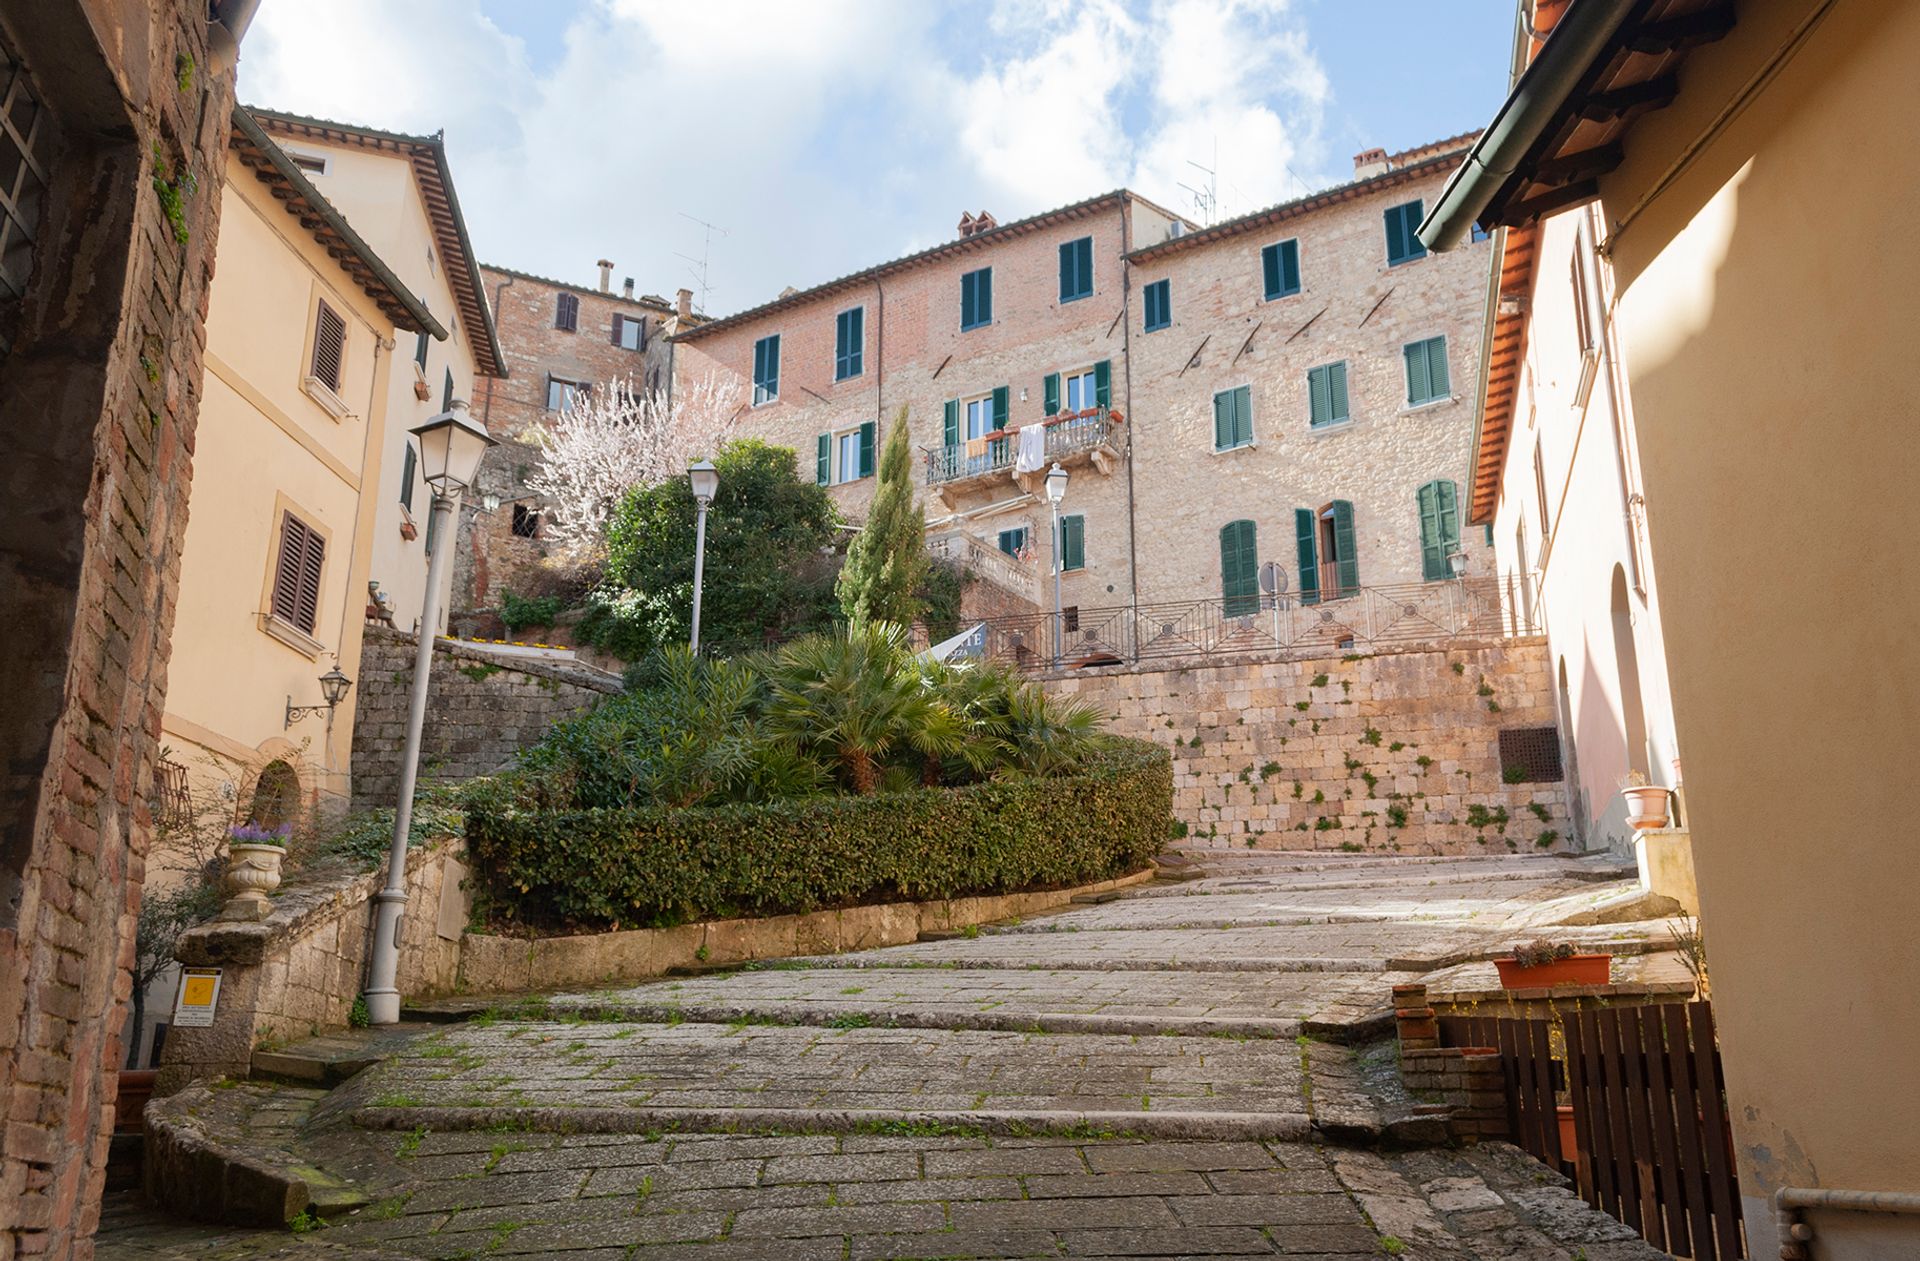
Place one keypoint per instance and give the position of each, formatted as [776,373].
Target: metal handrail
[1065,435]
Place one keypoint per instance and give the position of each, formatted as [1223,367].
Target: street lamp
[334,687]
[706,482]
[1056,491]
[1457,564]
[451,446]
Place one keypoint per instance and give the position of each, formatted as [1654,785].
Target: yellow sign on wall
[198,998]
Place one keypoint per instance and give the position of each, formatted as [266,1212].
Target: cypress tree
[888,559]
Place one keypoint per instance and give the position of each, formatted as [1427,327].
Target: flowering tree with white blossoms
[619,436]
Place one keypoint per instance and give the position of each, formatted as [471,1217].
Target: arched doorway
[276,796]
[1633,713]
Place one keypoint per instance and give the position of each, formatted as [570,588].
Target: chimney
[966,224]
[606,276]
[626,288]
[971,225]
[1370,162]
[683,302]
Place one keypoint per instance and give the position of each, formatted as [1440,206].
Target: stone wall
[100,377]
[298,971]
[1278,754]
[482,708]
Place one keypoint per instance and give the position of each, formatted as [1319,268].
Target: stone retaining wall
[1276,754]
[482,709]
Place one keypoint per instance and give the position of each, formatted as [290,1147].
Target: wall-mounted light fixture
[334,687]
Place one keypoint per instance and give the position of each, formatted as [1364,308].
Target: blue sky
[825,135]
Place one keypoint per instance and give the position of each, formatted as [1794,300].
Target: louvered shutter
[1437,382]
[866,449]
[1433,560]
[951,424]
[1239,569]
[566,313]
[1073,542]
[1417,389]
[307,612]
[983,296]
[1290,267]
[1050,391]
[1396,235]
[286,572]
[1001,402]
[617,321]
[1319,397]
[1447,515]
[823,459]
[406,478]
[1270,267]
[1069,272]
[1103,383]
[1337,390]
[1223,420]
[1307,554]
[329,346]
[966,301]
[1345,549]
[446,393]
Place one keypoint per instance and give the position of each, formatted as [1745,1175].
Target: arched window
[1439,528]
[276,796]
[1239,569]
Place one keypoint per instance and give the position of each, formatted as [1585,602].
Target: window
[846,456]
[1426,371]
[566,313]
[420,351]
[1326,551]
[431,270]
[1076,270]
[446,393]
[296,574]
[1327,395]
[849,343]
[1073,542]
[1280,269]
[1477,234]
[630,333]
[563,394]
[526,522]
[979,417]
[976,299]
[1582,305]
[766,370]
[408,467]
[329,347]
[1239,569]
[1403,240]
[27,146]
[1087,388]
[1081,391]
[1233,418]
[1157,299]
[1439,528]
[1014,541]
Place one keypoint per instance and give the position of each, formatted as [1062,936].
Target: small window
[849,343]
[1157,299]
[408,467]
[630,333]
[297,573]
[1403,238]
[1439,528]
[1327,395]
[847,457]
[566,313]
[446,393]
[976,299]
[420,351]
[1070,619]
[563,394]
[766,370]
[1076,270]
[1532,752]
[1014,541]
[1426,371]
[526,522]
[1233,418]
[1073,542]
[1082,390]
[1280,269]
[329,347]
[979,417]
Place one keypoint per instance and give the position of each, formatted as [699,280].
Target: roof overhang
[274,168]
[1565,123]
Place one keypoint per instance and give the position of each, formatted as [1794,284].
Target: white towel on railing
[1032,456]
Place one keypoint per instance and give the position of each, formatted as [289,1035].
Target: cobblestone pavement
[1113,1080]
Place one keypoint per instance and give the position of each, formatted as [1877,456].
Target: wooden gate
[1651,1142]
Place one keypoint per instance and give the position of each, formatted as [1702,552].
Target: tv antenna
[1206,201]
[697,267]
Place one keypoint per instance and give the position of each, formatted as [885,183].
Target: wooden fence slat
[1620,1131]
[1606,1185]
[1503,1037]
[1720,1174]
[1664,1097]
[1693,1168]
[1549,1119]
[1577,1070]
[1640,1127]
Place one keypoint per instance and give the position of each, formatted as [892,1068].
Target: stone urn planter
[1648,806]
[254,856]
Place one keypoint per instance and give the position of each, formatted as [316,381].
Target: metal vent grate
[1533,751]
[26,142]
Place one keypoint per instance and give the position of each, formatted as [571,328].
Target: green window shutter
[1243,415]
[951,426]
[1073,542]
[1158,302]
[1437,368]
[1270,270]
[966,301]
[1304,529]
[1433,556]
[1069,273]
[1448,496]
[1103,383]
[1290,267]
[406,478]
[1416,353]
[1050,389]
[1000,400]
[1337,390]
[866,449]
[1396,235]
[1319,397]
[1223,420]
[1345,548]
[1239,569]
[983,303]
[823,459]
[849,347]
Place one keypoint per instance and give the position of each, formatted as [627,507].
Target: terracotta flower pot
[1569,1144]
[1647,806]
[1573,970]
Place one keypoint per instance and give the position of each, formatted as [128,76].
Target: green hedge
[654,868]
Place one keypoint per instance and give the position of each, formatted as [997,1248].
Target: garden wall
[482,709]
[1254,741]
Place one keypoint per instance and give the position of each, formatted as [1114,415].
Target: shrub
[518,614]
[655,866]
[887,562]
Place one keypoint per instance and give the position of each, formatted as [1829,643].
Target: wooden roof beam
[1655,93]
[1548,202]
[1675,34]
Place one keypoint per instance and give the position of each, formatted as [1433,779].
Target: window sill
[1078,297]
[292,636]
[767,402]
[1336,426]
[331,403]
[851,376]
[1276,297]
[1419,258]
[1429,405]
[1157,328]
[1244,446]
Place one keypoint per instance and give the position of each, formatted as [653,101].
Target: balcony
[1013,574]
[1080,437]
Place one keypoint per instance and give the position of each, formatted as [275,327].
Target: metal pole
[383,995]
[699,567]
[1059,620]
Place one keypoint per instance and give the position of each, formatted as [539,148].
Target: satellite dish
[1273,579]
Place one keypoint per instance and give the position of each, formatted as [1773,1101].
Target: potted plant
[1541,964]
[1647,804]
[254,855]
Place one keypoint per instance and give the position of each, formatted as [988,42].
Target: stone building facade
[116,137]
[557,339]
[1290,385]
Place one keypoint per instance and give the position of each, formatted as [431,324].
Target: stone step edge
[1276,1126]
[209,1177]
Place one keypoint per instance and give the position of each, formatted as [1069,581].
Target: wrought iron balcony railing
[996,452]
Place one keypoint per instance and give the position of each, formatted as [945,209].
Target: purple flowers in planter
[254,834]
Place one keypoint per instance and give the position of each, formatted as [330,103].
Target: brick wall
[481,709]
[105,358]
[1421,723]
[1464,1084]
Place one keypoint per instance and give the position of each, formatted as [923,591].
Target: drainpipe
[1126,388]
[1795,1233]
